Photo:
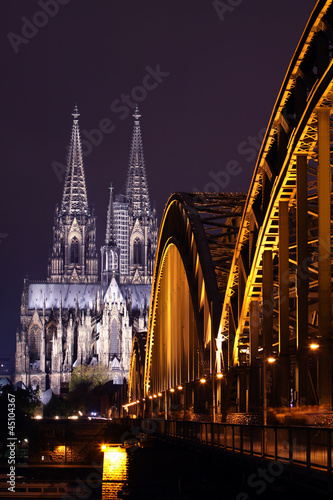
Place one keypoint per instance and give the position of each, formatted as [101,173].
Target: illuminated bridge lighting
[244,280]
[115,471]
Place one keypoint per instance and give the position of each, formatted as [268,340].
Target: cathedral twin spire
[74,257]
[137,186]
[131,229]
[75,200]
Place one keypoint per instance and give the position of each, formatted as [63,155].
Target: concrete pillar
[284,362]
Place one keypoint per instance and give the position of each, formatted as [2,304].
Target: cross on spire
[75,113]
[136,114]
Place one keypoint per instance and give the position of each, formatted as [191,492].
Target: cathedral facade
[78,316]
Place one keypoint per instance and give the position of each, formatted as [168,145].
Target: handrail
[304,446]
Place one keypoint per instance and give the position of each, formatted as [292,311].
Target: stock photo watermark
[122,108]
[263,477]
[3,236]
[30,27]
[84,489]
[223,8]
[220,180]
[132,437]
[11,445]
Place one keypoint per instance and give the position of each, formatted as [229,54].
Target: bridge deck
[306,447]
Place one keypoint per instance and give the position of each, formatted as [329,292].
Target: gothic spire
[137,186]
[110,236]
[74,200]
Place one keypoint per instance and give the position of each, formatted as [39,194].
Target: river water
[167,472]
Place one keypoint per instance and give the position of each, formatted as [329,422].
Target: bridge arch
[281,275]
[255,273]
[194,248]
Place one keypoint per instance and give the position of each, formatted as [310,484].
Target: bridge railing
[309,447]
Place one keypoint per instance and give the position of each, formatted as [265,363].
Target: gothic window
[62,248]
[74,251]
[114,261]
[137,252]
[35,337]
[149,259]
[51,330]
[114,337]
[87,249]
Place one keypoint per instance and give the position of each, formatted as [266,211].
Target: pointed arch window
[74,251]
[35,336]
[62,249]
[114,337]
[149,258]
[51,330]
[137,252]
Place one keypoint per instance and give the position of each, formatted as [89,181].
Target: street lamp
[314,346]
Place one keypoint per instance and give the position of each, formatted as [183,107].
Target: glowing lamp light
[56,417]
[202,380]
[137,401]
[159,394]
[172,389]
[314,346]
[150,397]
[103,447]
[180,387]
[155,396]
[271,360]
[219,375]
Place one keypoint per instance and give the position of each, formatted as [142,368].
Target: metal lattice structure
[194,254]
[259,270]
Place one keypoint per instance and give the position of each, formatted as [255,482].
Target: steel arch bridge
[242,284]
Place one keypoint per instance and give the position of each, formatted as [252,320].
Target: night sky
[206,83]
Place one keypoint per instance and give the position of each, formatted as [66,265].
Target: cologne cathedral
[78,316]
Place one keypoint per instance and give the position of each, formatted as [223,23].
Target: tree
[57,406]
[90,376]
[84,379]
